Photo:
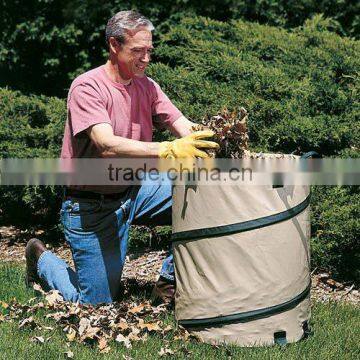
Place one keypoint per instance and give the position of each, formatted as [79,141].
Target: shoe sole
[30,279]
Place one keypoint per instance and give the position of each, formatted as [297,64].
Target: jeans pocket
[65,213]
[80,215]
[82,207]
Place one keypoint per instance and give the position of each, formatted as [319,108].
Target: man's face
[134,55]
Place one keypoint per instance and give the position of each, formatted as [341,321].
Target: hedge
[30,127]
[44,44]
[300,87]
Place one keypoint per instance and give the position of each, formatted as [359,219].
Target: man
[110,112]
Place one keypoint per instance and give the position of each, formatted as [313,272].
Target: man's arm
[110,145]
[181,127]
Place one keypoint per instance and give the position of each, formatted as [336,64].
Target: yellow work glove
[188,146]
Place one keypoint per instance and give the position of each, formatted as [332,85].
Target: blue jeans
[97,232]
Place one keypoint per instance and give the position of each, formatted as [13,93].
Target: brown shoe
[163,292]
[34,248]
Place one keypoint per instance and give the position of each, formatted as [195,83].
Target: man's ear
[114,45]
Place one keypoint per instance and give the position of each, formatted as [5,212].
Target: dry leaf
[137,309]
[58,316]
[122,325]
[186,351]
[4,305]
[84,323]
[90,333]
[105,350]
[127,357]
[38,339]
[150,327]
[39,305]
[71,335]
[28,322]
[168,328]
[38,288]
[124,340]
[47,328]
[135,330]
[134,337]
[334,284]
[53,297]
[69,354]
[103,344]
[165,352]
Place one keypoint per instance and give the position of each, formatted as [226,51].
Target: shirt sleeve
[86,108]
[164,111]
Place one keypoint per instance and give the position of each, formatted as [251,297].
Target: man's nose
[145,58]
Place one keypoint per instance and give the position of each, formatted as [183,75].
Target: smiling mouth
[141,67]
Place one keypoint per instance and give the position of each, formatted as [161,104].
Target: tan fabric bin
[242,262]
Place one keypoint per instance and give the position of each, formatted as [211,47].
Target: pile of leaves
[231,133]
[124,322]
[326,289]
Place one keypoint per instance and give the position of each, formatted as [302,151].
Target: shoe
[163,292]
[34,248]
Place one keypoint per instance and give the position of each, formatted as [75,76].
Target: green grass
[336,334]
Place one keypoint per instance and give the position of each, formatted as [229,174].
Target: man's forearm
[182,127]
[110,145]
[123,147]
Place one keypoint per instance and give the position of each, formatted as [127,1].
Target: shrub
[335,230]
[45,44]
[300,97]
[30,127]
[301,89]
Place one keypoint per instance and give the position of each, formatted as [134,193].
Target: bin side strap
[242,226]
[248,315]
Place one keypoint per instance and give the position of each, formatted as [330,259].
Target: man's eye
[138,51]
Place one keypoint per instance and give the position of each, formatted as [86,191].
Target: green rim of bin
[218,231]
[248,315]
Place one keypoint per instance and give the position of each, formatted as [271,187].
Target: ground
[144,266]
[41,327]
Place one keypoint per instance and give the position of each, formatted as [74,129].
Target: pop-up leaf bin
[242,262]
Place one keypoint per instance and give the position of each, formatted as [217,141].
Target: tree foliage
[301,88]
[44,44]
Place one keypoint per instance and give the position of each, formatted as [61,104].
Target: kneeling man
[110,114]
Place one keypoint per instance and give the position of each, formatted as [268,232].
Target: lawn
[336,334]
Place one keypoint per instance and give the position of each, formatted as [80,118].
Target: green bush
[335,230]
[30,127]
[45,44]
[301,97]
[300,87]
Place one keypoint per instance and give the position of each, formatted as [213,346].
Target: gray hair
[123,21]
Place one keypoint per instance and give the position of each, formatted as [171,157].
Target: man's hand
[188,146]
